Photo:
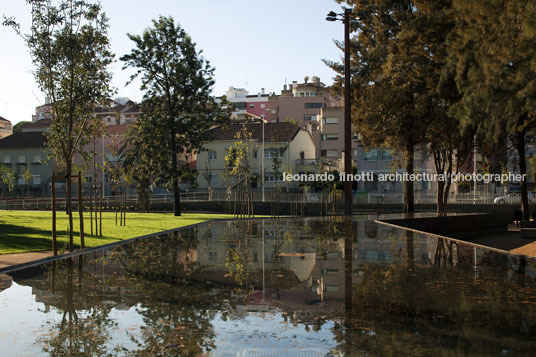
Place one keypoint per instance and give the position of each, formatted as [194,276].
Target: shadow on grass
[19,238]
[20,244]
[17,230]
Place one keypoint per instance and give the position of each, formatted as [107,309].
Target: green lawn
[29,231]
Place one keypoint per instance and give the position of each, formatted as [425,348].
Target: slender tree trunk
[176,189]
[409,197]
[125,208]
[91,208]
[116,207]
[440,202]
[81,210]
[68,204]
[95,201]
[523,171]
[100,212]
[443,163]
[53,193]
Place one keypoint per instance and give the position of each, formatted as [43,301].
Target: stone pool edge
[435,235]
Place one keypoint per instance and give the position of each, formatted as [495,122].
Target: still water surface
[296,287]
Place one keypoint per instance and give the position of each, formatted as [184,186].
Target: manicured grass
[29,231]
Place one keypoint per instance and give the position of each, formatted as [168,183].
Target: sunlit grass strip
[29,231]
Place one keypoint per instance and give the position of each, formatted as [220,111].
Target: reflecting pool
[287,287]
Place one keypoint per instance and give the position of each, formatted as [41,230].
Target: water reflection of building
[294,270]
[312,267]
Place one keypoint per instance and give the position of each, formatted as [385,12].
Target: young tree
[7,177]
[70,50]
[239,165]
[177,103]
[27,175]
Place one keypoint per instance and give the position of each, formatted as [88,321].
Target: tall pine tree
[492,51]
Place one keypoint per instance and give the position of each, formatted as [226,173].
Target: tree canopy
[177,108]
[70,49]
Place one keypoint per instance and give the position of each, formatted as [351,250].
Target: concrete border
[435,235]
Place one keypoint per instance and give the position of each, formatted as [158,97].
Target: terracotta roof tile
[116,129]
[273,132]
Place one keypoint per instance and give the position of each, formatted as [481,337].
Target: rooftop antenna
[36,98]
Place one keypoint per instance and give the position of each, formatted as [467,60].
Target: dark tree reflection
[85,321]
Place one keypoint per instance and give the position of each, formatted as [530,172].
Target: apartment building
[283,141]
[23,151]
[6,128]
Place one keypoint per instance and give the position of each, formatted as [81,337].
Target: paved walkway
[19,258]
[509,241]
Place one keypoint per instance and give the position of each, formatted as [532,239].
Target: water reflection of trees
[424,311]
[176,307]
[413,307]
[177,319]
[175,302]
[84,329]
[169,257]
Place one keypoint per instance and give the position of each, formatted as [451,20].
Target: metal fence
[334,198]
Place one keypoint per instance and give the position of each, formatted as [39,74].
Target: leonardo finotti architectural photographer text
[404,176]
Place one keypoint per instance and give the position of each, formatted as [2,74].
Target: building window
[387,155]
[331,121]
[354,153]
[212,255]
[263,106]
[372,154]
[240,105]
[313,105]
[332,153]
[21,180]
[419,155]
[310,117]
[252,106]
[36,179]
[36,159]
[212,156]
[22,159]
[273,111]
[325,137]
[273,153]
[329,153]
[7,159]
[255,154]
[273,178]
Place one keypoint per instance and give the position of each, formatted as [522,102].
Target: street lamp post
[345,18]
[262,160]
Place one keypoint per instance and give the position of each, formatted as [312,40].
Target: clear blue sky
[252,43]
